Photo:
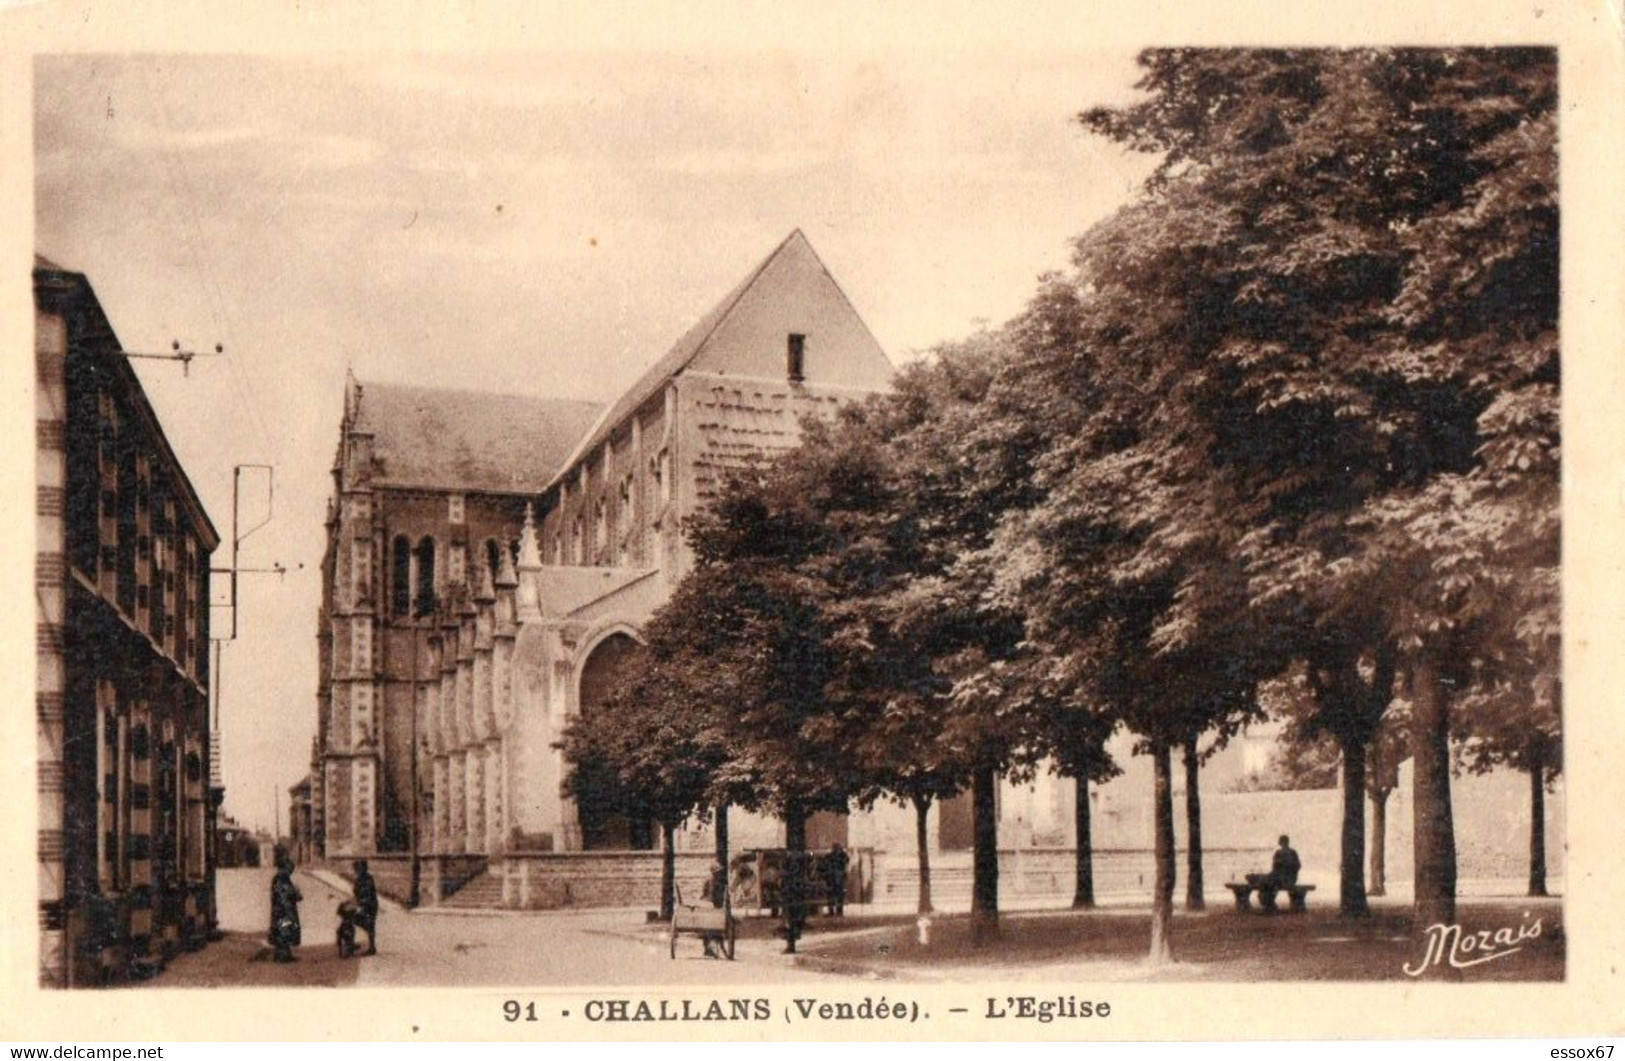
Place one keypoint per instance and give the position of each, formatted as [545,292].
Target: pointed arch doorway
[605,825]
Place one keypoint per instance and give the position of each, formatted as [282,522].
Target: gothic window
[493,556]
[600,526]
[425,559]
[400,582]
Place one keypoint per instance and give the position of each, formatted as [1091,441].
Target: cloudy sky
[544,223]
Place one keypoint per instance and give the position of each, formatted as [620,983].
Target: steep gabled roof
[675,360]
[470,441]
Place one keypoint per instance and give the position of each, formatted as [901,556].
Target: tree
[883,676]
[1118,566]
[1389,747]
[1075,738]
[1513,720]
[639,751]
[1345,263]
[1099,592]
[964,452]
[1308,757]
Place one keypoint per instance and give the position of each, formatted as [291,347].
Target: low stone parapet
[561,879]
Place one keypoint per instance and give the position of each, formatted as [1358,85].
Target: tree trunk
[1537,830]
[1083,895]
[1162,895]
[1378,885]
[793,893]
[984,906]
[668,870]
[1434,834]
[1193,827]
[1351,900]
[922,840]
[722,838]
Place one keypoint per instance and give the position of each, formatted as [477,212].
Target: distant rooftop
[469,440]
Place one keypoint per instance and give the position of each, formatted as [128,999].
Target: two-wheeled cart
[715,924]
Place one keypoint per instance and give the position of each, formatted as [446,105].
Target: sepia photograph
[680,524]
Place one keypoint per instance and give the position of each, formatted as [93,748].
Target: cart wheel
[728,940]
[673,938]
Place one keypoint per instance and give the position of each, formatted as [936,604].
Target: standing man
[366,901]
[835,864]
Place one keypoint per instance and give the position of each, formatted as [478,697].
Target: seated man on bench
[1283,875]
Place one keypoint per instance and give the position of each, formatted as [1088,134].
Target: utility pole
[415,893]
[238,536]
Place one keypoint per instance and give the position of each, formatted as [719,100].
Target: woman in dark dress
[284,935]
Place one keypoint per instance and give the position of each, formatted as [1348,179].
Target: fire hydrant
[924,926]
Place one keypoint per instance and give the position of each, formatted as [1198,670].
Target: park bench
[1297,894]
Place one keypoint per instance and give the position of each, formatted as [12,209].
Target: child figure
[349,918]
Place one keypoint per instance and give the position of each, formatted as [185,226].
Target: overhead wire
[182,188]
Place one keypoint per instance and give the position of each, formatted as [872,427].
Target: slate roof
[470,441]
[686,349]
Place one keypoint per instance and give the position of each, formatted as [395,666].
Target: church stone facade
[424,497]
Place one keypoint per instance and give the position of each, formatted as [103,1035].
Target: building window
[578,545]
[425,558]
[493,556]
[454,508]
[796,357]
[600,526]
[661,467]
[400,583]
[625,519]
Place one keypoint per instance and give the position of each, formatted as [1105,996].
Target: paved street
[531,949]
[612,948]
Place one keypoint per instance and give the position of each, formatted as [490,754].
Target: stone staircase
[482,892]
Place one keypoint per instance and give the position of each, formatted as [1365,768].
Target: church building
[490,562]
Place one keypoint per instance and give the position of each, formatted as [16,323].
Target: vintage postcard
[906,523]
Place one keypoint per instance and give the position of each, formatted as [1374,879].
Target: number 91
[514,1011]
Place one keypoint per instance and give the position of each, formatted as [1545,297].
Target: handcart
[712,923]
